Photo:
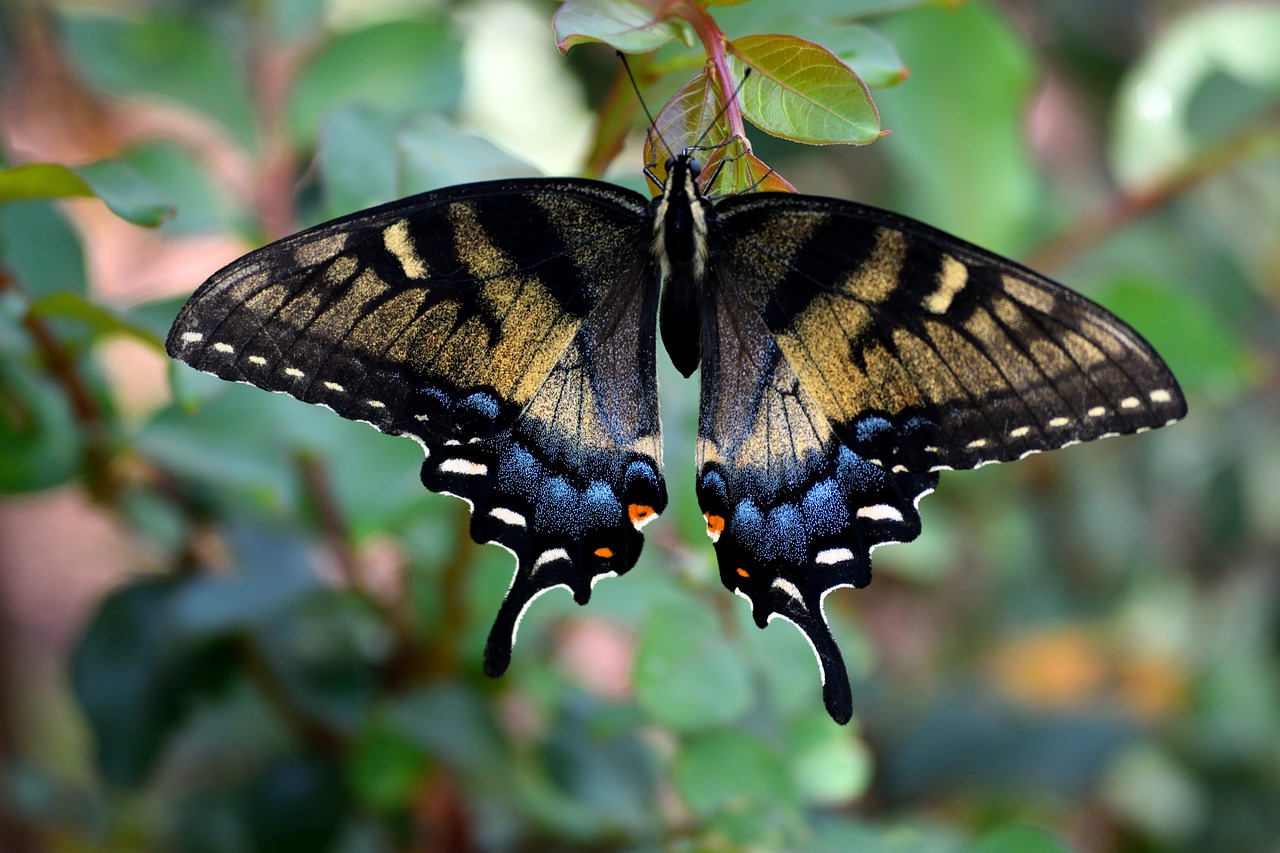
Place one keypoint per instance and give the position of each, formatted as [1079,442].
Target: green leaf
[687,676]
[396,68]
[766,17]
[185,183]
[1196,341]
[829,764]
[729,771]
[801,91]
[693,115]
[120,187]
[126,193]
[195,63]
[1017,839]
[356,158]
[40,444]
[601,779]
[41,248]
[958,143]
[871,56]
[448,722]
[621,24]
[41,180]
[842,836]
[432,152]
[326,651]
[132,672]
[296,804]
[271,572]
[244,447]
[1160,104]
[386,769]
[100,320]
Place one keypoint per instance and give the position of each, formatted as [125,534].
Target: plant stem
[99,479]
[1127,206]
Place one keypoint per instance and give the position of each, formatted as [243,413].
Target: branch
[99,478]
[1125,207]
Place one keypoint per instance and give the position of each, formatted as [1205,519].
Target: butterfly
[847,356]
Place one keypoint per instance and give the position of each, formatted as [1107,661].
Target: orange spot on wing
[604,553]
[743,572]
[640,513]
[715,524]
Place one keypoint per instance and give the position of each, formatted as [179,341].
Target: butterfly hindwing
[793,511]
[927,352]
[507,327]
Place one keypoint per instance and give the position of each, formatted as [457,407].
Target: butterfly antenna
[653,124]
[697,145]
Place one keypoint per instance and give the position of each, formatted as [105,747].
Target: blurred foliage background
[229,621]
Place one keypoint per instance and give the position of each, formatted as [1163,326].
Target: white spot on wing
[375,404]
[639,524]
[880,512]
[257,359]
[334,386]
[1130,403]
[1019,432]
[1161,396]
[977,443]
[1059,422]
[790,589]
[293,371]
[549,556]
[508,516]
[192,337]
[831,556]
[1097,411]
[463,466]
[223,347]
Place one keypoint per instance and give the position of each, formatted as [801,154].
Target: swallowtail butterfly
[848,355]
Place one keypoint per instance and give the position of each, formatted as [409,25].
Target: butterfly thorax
[680,225]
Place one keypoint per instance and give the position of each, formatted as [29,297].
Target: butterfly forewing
[508,327]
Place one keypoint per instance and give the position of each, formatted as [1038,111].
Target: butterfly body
[847,356]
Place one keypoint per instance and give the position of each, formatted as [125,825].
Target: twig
[337,532]
[1126,207]
[58,362]
[442,654]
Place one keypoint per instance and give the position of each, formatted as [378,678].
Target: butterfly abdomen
[681,222]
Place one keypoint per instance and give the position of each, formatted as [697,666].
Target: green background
[229,621]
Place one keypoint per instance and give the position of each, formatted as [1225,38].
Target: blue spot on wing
[824,510]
